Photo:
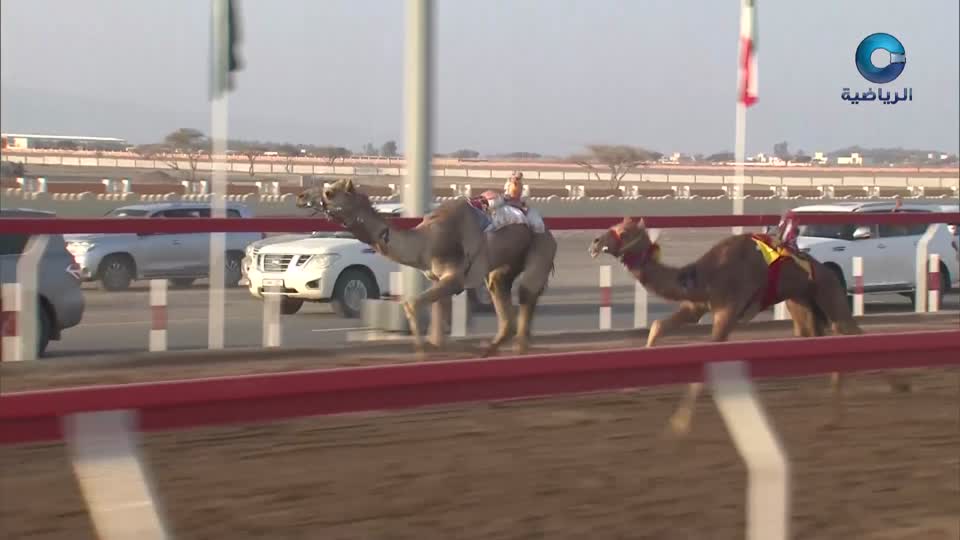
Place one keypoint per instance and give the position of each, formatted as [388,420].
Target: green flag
[224,57]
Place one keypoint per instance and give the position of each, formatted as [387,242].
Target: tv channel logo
[880,42]
[888,72]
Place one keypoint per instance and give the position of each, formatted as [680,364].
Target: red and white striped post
[9,311]
[606,308]
[158,310]
[857,286]
[933,284]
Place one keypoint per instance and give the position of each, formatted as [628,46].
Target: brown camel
[734,280]
[452,249]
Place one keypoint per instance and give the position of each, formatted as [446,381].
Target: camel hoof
[521,347]
[901,387]
[680,424]
[490,351]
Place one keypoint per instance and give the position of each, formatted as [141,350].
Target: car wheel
[289,306]
[233,269]
[182,283]
[116,273]
[44,329]
[480,301]
[352,288]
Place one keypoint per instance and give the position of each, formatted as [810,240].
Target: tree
[369,150]
[620,159]
[721,157]
[389,149]
[289,151]
[781,150]
[251,150]
[332,153]
[801,157]
[191,142]
[465,154]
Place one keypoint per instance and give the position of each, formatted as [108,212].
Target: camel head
[628,236]
[340,201]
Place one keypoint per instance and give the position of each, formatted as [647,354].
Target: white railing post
[857,286]
[460,316]
[271,317]
[933,296]
[920,296]
[768,474]
[116,486]
[27,269]
[158,310]
[640,305]
[606,309]
[10,306]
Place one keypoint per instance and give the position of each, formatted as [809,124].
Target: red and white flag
[747,66]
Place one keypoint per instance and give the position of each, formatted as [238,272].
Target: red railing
[294,224]
[36,415]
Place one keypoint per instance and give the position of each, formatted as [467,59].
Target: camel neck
[402,246]
[669,282]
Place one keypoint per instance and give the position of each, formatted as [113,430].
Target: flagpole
[418,81]
[218,158]
[739,156]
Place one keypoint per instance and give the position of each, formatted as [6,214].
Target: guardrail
[101,424]
[36,226]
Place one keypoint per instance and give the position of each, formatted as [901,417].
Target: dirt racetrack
[588,467]
[594,467]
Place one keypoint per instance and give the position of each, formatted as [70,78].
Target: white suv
[889,252]
[329,267]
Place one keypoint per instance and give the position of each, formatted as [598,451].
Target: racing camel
[735,280]
[456,248]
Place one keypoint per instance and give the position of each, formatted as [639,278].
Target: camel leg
[724,321]
[687,313]
[528,304]
[531,283]
[499,282]
[445,287]
[439,325]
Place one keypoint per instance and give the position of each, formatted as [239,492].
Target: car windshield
[126,212]
[839,232]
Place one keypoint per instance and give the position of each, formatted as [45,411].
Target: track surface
[596,466]
[120,322]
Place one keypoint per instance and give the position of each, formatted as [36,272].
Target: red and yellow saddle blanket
[775,254]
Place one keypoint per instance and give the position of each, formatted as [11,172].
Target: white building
[853,159]
[62,142]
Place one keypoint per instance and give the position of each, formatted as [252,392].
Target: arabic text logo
[880,42]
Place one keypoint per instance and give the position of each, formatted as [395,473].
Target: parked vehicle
[116,260]
[60,297]
[325,267]
[888,251]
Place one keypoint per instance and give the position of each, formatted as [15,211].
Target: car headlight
[321,262]
[79,248]
[250,251]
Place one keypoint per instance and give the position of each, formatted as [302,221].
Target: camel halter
[634,261]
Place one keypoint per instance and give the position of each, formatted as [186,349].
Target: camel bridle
[633,260]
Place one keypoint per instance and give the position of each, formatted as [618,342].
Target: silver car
[60,296]
[116,260]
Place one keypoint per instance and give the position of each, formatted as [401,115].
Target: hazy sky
[544,76]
